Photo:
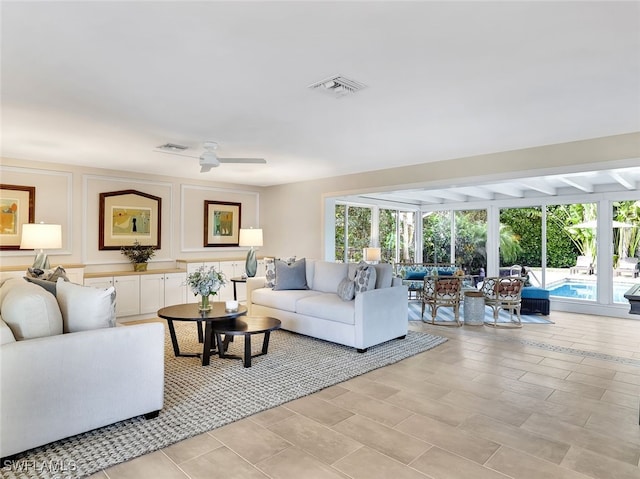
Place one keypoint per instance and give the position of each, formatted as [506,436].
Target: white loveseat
[55,385]
[373,317]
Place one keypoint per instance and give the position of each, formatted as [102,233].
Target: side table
[473,308]
[236,280]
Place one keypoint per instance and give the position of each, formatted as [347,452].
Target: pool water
[581,290]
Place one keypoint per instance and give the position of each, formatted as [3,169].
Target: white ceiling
[104,83]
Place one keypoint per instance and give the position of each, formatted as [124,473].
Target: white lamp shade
[41,236]
[250,237]
[371,254]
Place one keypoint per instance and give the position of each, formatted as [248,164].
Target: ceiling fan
[208,158]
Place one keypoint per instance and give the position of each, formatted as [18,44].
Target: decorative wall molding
[65,203]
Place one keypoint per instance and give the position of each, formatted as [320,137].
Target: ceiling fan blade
[242,160]
[176,153]
[205,168]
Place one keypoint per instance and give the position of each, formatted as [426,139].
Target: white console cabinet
[160,290]
[127,291]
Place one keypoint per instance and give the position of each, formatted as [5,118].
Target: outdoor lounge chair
[627,266]
[583,264]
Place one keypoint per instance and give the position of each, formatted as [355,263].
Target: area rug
[446,314]
[198,399]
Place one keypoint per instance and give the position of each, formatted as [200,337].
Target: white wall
[69,195]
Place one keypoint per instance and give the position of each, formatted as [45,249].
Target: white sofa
[373,317]
[55,385]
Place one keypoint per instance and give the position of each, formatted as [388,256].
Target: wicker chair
[442,291]
[504,293]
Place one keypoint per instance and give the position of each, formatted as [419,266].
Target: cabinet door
[175,289]
[229,270]
[151,293]
[127,295]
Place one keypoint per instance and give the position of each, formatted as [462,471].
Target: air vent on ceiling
[338,86]
[172,147]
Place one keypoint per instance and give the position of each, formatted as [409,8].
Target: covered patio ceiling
[558,185]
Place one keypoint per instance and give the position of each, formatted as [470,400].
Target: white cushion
[384,275]
[347,289]
[84,307]
[327,306]
[30,311]
[283,300]
[6,335]
[327,276]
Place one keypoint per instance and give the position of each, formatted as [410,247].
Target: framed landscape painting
[129,215]
[221,223]
[17,207]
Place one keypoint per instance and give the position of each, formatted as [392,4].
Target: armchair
[439,292]
[504,293]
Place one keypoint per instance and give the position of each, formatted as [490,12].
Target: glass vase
[204,304]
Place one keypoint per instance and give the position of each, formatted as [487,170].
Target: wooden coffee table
[190,312]
[245,326]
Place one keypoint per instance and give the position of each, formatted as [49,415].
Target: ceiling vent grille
[338,86]
[172,148]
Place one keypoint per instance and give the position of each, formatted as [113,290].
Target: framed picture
[129,215]
[17,207]
[221,223]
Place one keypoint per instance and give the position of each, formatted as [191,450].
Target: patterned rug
[198,399]
[446,314]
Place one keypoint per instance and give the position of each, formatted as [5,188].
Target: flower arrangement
[205,282]
[138,253]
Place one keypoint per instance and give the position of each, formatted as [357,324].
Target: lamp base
[251,265]
[41,261]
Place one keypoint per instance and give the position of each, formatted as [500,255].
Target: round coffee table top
[190,312]
[248,325]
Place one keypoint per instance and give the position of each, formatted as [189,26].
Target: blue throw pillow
[291,275]
[414,275]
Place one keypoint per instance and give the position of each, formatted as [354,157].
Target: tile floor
[483,405]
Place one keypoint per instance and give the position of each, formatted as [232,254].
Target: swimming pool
[587,290]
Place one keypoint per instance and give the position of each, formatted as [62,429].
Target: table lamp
[251,237]
[371,255]
[39,236]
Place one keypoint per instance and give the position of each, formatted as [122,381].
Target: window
[471,240]
[436,237]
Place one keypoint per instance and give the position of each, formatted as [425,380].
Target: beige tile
[452,439]
[366,463]
[98,475]
[440,464]
[497,369]
[573,413]
[331,392]
[585,438]
[369,388]
[516,438]
[294,463]
[490,407]
[536,368]
[386,440]
[628,377]
[580,368]
[435,408]
[584,390]
[488,391]
[320,441]
[379,411]
[189,448]
[155,464]
[324,412]
[596,465]
[520,465]
[271,416]
[621,399]
[221,463]
[250,441]
[611,384]
[414,382]
[499,384]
